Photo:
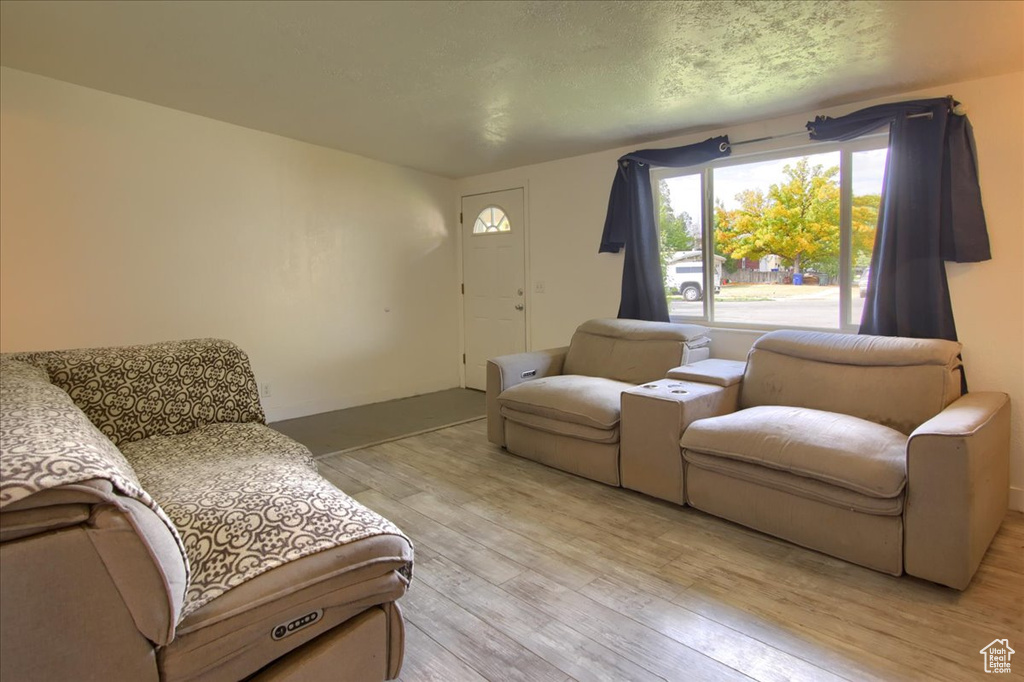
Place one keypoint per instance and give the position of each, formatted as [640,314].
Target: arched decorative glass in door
[492,219]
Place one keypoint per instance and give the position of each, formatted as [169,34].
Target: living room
[141,205]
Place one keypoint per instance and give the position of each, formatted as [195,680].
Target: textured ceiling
[461,88]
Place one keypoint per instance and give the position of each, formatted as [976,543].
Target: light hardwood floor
[527,573]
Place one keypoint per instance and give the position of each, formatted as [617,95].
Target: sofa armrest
[92,582]
[957,488]
[139,553]
[506,371]
[712,371]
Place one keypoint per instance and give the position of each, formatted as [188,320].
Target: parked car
[862,282]
[685,274]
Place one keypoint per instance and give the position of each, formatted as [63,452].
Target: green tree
[797,220]
[675,232]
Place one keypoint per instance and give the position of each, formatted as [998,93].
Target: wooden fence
[755,276]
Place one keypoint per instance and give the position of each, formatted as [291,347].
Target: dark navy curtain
[630,223]
[930,212]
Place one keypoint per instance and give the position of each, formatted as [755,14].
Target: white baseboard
[1017,498]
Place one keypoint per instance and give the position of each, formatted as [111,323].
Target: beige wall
[568,200]
[124,222]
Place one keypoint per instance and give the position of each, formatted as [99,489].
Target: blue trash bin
[798,278]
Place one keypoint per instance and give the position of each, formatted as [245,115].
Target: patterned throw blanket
[47,442]
[240,498]
[246,499]
[157,389]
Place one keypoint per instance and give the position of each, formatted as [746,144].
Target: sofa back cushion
[160,389]
[896,382]
[633,351]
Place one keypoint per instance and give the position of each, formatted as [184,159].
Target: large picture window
[790,236]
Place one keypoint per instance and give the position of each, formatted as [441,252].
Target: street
[781,305]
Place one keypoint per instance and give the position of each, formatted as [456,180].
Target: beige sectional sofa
[857,446]
[561,407]
[153,528]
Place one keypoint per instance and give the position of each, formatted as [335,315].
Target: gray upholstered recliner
[153,528]
[860,447]
[560,407]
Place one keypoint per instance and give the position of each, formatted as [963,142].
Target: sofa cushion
[560,427]
[20,524]
[861,349]
[246,499]
[896,382]
[793,484]
[633,351]
[836,449]
[589,401]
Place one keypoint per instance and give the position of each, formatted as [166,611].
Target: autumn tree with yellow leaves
[797,220]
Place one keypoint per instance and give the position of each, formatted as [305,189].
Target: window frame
[846,150]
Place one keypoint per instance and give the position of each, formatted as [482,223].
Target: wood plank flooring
[527,573]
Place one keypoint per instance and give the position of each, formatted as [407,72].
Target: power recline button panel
[284,629]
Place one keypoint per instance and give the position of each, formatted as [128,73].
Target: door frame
[527,282]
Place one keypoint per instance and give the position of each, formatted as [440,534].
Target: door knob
[519,291]
[519,306]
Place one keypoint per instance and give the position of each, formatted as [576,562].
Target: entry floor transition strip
[364,426]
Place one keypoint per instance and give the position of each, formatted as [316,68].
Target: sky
[684,191]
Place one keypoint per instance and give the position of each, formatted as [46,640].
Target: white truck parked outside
[685,274]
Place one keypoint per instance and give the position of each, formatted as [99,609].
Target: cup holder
[679,390]
[650,385]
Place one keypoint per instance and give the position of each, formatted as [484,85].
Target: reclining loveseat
[561,406]
[153,528]
[861,447]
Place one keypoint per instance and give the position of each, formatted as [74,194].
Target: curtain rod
[723,146]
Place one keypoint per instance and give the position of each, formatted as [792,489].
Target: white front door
[494,280]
